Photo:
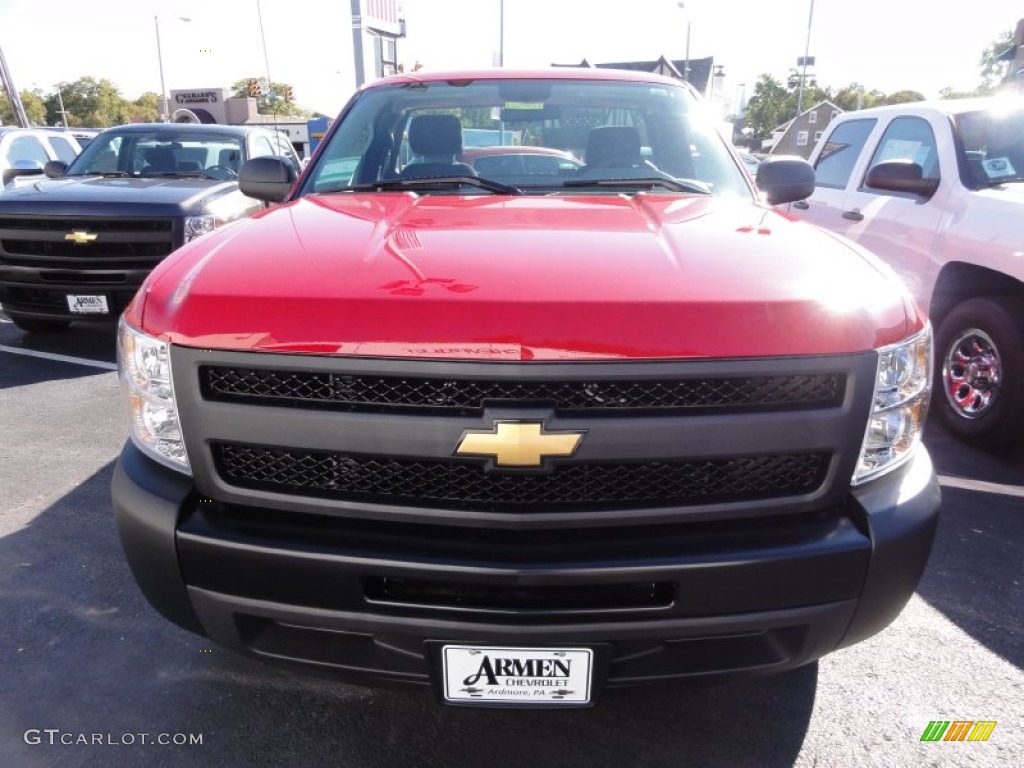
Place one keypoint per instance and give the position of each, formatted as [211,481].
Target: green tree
[145,109]
[90,103]
[769,106]
[34,106]
[32,101]
[951,93]
[271,100]
[854,96]
[993,70]
[902,97]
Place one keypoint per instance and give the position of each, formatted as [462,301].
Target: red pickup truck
[525,437]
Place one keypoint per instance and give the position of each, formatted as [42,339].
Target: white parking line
[967,484]
[59,358]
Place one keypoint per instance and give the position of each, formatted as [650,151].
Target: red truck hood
[524,278]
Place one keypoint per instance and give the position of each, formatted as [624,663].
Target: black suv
[77,245]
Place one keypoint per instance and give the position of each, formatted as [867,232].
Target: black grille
[68,250]
[380,393]
[87,224]
[453,484]
[121,242]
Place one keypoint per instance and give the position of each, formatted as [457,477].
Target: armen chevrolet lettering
[525,426]
[489,674]
[529,672]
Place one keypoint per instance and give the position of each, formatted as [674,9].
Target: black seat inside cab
[161,160]
[229,158]
[436,141]
[613,146]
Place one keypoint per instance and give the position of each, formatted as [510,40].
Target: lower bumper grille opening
[351,652]
[358,656]
[523,599]
[641,662]
[55,299]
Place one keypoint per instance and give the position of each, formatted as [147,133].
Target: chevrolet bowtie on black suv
[77,246]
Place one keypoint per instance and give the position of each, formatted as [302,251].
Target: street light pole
[686,60]
[165,103]
[501,33]
[164,106]
[803,73]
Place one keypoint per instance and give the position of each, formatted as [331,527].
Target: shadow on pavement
[91,342]
[975,575]
[84,653]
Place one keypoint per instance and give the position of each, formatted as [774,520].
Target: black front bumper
[43,293]
[365,600]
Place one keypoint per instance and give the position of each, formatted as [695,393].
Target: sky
[888,45]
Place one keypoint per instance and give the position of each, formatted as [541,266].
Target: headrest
[613,146]
[435,135]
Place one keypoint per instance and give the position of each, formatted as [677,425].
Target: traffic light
[254,88]
[287,90]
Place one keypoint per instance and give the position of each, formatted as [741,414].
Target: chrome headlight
[144,366]
[200,225]
[903,384]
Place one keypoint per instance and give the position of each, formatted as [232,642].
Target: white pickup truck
[936,189]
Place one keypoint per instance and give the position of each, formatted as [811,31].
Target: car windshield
[160,153]
[992,146]
[532,136]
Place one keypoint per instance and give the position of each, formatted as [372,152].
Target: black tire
[38,324]
[979,372]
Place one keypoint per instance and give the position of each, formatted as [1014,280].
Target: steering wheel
[227,170]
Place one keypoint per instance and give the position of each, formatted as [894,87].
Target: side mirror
[55,169]
[267,178]
[785,179]
[901,176]
[21,168]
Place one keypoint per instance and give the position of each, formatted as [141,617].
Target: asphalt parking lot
[83,654]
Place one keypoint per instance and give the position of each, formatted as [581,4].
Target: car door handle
[853,215]
[801,205]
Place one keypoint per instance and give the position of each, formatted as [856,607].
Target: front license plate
[87,305]
[534,676]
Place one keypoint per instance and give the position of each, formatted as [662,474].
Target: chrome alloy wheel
[971,373]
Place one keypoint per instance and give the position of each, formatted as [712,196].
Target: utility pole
[63,112]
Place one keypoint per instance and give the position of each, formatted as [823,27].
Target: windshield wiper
[177,175]
[676,185]
[434,181]
[104,174]
[1005,180]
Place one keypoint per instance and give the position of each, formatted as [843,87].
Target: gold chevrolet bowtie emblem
[78,237]
[518,443]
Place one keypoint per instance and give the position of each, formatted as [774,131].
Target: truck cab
[936,191]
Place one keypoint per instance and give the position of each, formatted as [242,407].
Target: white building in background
[376,27]
[217,105]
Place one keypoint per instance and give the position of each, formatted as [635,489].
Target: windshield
[991,146]
[534,136]
[160,153]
